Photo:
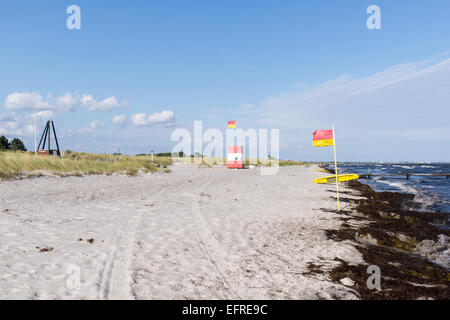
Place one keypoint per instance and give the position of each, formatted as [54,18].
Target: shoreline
[400,240]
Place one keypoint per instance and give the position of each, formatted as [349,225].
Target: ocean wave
[432,191]
[436,251]
[423,200]
[398,185]
[404,166]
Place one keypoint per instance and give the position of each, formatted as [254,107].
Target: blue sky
[297,66]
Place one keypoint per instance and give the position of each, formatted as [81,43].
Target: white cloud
[96,124]
[47,114]
[34,101]
[165,117]
[398,91]
[66,102]
[26,101]
[107,104]
[7,116]
[21,131]
[13,125]
[89,129]
[119,120]
[139,119]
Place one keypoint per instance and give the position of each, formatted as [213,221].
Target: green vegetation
[286,163]
[16,163]
[273,162]
[4,143]
[15,144]
[25,164]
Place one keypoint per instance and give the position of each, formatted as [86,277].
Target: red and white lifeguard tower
[235,157]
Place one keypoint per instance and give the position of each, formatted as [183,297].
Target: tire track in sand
[116,278]
[208,245]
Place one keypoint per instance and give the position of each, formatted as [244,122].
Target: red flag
[323,138]
[232,124]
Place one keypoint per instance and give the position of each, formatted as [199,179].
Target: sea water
[431,192]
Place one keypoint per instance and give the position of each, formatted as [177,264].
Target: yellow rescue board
[341,178]
[322,171]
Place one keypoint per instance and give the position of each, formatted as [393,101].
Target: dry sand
[196,233]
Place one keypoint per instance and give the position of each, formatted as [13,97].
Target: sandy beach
[196,233]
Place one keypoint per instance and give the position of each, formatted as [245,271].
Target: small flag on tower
[323,138]
[231,124]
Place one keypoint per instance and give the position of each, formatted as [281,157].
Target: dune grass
[15,164]
[286,163]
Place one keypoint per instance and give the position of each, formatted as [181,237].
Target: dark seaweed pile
[390,233]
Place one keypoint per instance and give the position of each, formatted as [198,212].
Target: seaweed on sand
[391,231]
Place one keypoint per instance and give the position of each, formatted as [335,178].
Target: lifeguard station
[235,157]
[45,141]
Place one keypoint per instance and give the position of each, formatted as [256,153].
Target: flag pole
[35,137]
[336,169]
